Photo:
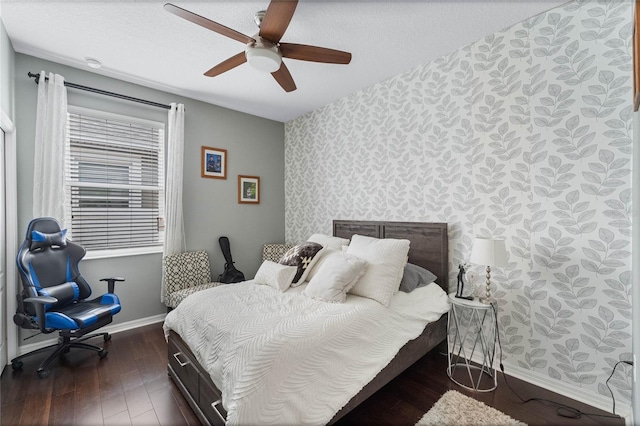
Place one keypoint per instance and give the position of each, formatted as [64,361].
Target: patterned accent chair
[185,274]
[274,252]
[190,272]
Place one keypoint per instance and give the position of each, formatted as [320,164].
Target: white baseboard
[569,390]
[563,388]
[112,328]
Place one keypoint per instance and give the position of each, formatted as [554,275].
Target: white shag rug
[454,408]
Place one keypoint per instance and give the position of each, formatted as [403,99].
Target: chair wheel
[43,374]
[102,353]
[16,365]
[107,337]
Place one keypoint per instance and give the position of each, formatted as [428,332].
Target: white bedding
[283,358]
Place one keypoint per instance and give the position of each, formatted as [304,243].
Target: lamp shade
[489,251]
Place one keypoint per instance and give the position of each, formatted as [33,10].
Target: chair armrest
[111,283]
[39,302]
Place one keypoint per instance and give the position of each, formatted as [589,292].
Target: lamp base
[487,300]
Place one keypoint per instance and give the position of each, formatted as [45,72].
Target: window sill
[106,254]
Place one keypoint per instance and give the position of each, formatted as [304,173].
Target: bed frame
[429,248]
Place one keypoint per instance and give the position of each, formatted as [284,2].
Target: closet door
[3,258]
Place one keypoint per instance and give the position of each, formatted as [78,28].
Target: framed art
[213,163]
[248,189]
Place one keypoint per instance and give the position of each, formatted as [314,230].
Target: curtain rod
[103,92]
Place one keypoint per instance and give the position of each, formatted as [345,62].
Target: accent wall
[525,134]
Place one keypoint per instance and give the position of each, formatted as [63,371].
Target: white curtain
[49,158]
[174,239]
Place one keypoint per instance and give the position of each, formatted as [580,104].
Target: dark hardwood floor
[131,387]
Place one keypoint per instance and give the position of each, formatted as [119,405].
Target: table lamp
[490,252]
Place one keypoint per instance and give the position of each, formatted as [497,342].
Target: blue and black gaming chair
[54,294]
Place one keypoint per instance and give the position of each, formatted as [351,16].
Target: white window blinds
[115,180]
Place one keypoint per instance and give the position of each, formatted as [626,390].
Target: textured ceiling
[138,41]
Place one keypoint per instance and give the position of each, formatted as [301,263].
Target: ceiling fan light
[263,59]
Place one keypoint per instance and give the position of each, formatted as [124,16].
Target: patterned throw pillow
[303,256]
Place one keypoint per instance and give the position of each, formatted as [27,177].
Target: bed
[428,248]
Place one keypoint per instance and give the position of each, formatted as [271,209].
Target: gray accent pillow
[415,276]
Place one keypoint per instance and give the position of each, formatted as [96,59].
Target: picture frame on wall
[248,189]
[213,163]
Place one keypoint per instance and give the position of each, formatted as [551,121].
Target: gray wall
[255,147]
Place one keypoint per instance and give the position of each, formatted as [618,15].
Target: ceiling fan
[264,50]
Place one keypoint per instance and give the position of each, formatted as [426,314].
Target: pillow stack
[368,267]
[292,269]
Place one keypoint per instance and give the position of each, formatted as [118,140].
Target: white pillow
[275,275]
[328,241]
[406,260]
[386,259]
[335,277]
[320,258]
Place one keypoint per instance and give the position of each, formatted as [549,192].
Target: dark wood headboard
[429,242]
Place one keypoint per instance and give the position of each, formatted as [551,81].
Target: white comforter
[283,358]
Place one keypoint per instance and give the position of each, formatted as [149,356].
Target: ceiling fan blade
[207,23]
[305,52]
[277,18]
[284,79]
[224,66]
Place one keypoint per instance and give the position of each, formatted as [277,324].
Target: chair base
[64,345]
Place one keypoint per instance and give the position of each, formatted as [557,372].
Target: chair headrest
[45,232]
[41,239]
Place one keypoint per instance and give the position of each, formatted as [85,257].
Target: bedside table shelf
[471,327]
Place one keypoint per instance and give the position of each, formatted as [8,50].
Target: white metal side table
[471,327]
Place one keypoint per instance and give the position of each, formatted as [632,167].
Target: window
[114,181]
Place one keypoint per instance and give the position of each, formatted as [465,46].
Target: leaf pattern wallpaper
[525,134]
